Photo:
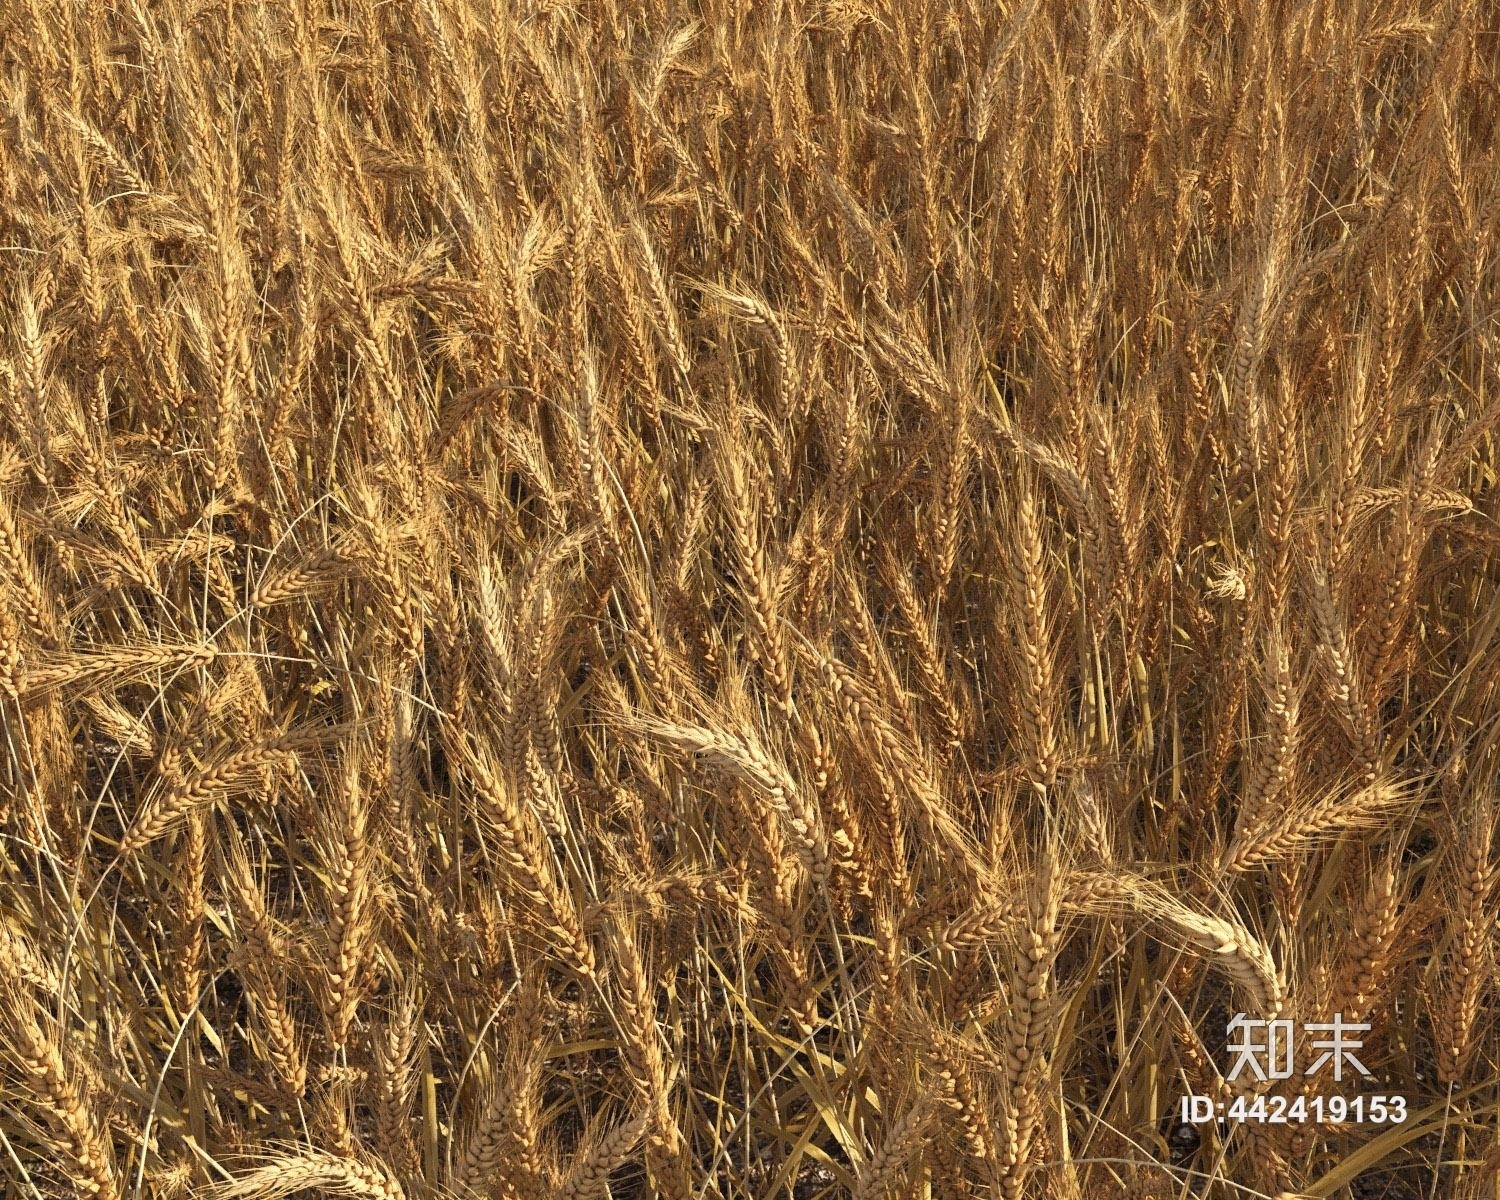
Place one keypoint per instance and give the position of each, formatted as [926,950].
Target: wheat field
[752,599]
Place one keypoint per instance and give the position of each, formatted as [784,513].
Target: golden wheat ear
[295,1172]
[66,1110]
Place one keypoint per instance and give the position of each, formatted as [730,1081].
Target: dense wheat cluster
[746,599]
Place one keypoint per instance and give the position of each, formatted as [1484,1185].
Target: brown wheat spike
[24,589]
[863,721]
[967,1103]
[91,1167]
[1377,925]
[742,759]
[106,667]
[12,678]
[285,1176]
[395,1068]
[877,1174]
[1031,988]
[315,571]
[588,1178]
[1469,962]
[187,795]
[497,1148]
[502,1147]
[1272,785]
[349,894]
[1028,569]
[637,1019]
[530,868]
[760,590]
[1304,824]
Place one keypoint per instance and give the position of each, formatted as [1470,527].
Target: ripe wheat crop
[747,599]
